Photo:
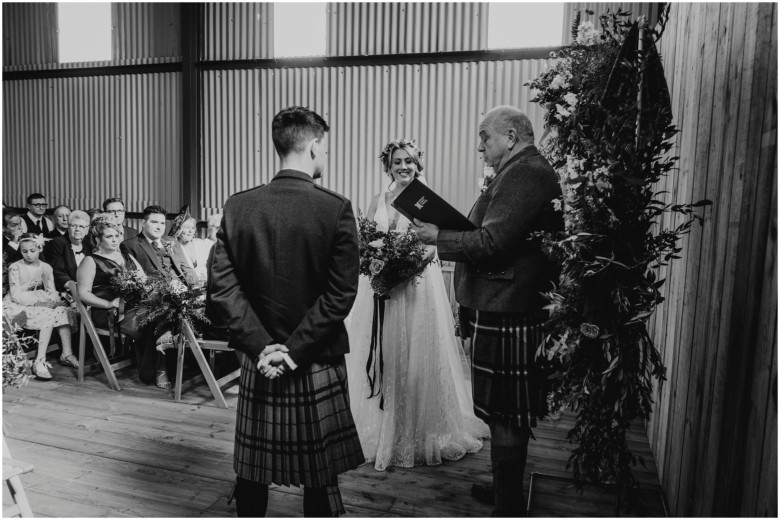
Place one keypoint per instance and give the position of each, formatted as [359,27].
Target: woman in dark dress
[94,283]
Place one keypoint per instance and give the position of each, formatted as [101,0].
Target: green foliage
[612,243]
[15,364]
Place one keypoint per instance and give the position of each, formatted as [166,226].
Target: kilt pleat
[505,375]
[296,429]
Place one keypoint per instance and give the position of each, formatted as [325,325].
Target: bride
[428,414]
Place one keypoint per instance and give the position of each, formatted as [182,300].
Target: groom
[283,278]
[500,275]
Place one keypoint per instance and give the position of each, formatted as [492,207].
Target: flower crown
[36,239]
[100,218]
[410,145]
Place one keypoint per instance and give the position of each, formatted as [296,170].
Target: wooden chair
[94,335]
[189,340]
[12,468]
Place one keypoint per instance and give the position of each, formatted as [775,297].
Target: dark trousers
[252,500]
[508,455]
[149,360]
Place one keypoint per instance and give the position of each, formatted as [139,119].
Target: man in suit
[12,230]
[65,253]
[61,215]
[34,220]
[115,207]
[284,277]
[157,254]
[499,277]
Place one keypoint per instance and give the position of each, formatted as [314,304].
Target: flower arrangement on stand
[608,132]
[162,301]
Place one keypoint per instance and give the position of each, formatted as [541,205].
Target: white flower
[177,287]
[379,243]
[571,99]
[557,204]
[587,34]
[561,112]
[603,185]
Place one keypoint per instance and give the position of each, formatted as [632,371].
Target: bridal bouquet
[130,286]
[388,258]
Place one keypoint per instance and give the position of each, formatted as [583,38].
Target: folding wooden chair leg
[181,346]
[97,347]
[14,483]
[189,336]
[82,349]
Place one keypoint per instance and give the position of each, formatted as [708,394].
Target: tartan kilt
[296,429]
[505,377]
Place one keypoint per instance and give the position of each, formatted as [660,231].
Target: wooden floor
[100,453]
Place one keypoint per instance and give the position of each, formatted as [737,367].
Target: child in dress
[31,290]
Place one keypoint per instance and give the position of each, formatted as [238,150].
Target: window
[299,29]
[521,25]
[84,31]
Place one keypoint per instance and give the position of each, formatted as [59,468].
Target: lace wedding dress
[428,415]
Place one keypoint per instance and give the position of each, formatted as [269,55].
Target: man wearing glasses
[115,207]
[34,221]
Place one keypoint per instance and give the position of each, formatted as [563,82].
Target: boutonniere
[486,179]
[168,247]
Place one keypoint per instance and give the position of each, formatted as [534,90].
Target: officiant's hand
[427,233]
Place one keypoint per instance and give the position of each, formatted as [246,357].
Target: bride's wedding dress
[428,414]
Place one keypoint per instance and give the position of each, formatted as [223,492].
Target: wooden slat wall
[714,433]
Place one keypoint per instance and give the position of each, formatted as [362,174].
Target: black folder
[418,201]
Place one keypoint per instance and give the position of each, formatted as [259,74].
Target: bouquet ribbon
[376,360]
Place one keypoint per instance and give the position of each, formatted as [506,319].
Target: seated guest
[196,250]
[64,254]
[61,215]
[94,283]
[212,226]
[34,220]
[157,253]
[115,208]
[31,291]
[12,230]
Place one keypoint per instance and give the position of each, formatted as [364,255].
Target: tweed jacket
[499,269]
[143,251]
[285,268]
[59,255]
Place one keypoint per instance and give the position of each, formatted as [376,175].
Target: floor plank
[100,453]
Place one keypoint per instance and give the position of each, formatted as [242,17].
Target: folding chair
[12,468]
[94,336]
[196,345]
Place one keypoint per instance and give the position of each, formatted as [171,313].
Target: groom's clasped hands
[271,362]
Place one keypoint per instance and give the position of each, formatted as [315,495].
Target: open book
[418,201]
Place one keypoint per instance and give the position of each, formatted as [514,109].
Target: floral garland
[612,244]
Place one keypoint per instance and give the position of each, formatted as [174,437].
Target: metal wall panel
[238,31]
[438,104]
[29,34]
[651,11]
[366,28]
[81,140]
[143,32]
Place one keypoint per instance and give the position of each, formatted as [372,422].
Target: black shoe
[483,493]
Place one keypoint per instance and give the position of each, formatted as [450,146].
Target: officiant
[499,277]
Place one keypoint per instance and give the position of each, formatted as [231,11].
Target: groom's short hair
[293,127]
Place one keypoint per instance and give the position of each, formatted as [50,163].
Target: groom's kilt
[296,429]
[505,377]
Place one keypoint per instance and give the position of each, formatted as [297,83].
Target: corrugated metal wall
[238,31]
[714,431]
[146,32]
[651,11]
[29,35]
[438,104]
[365,28]
[80,140]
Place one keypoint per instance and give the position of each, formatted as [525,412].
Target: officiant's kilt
[296,429]
[505,376]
